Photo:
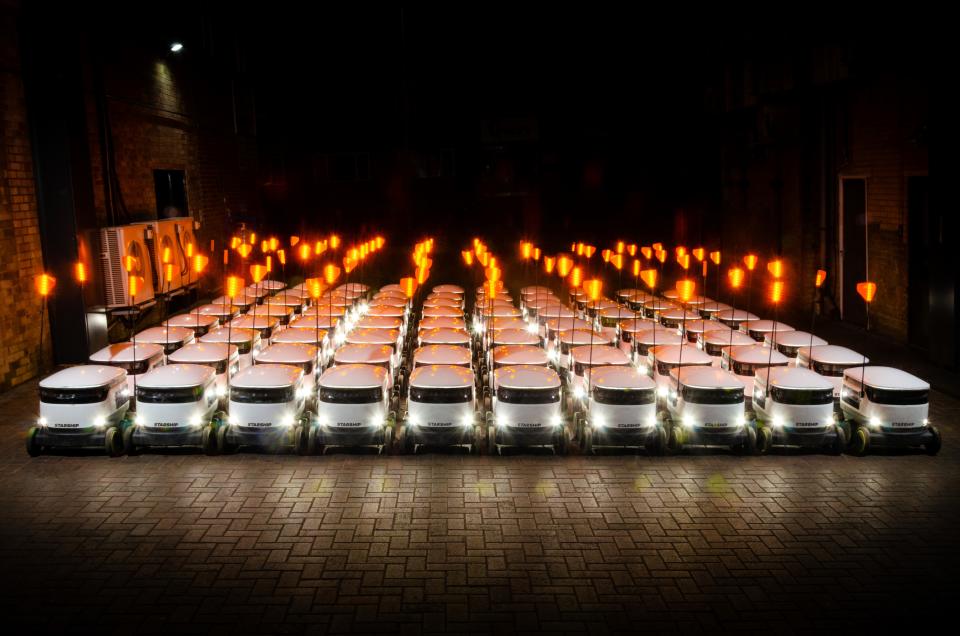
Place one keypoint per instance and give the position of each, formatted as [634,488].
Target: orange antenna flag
[226,257]
[867,290]
[349,264]
[636,267]
[715,257]
[234,286]
[699,253]
[685,289]
[244,250]
[775,267]
[492,273]
[593,288]
[777,289]
[536,253]
[580,248]
[423,273]
[257,272]
[684,260]
[314,287]
[305,252]
[662,256]
[658,247]
[80,272]
[274,243]
[129,263]
[294,240]
[200,263]
[735,275]
[334,241]
[680,250]
[331,273]
[319,248]
[589,251]
[135,283]
[621,247]
[576,277]
[564,264]
[549,262]
[44,284]
[168,272]
[704,263]
[253,238]
[632,250]
[526,250]
[282,256]
[408,285]
[483,258]
[491,288]
[750,260]
[605,255]
[821,276]
[649,277]
[189,250]
[467,256]
[647,252]
[617,261]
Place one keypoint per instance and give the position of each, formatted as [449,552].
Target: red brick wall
[20,254]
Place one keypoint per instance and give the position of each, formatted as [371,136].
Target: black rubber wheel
[314,447]
[492,448]
[657,445]
[300,437]
[749,444]
[34,449]
[764,440]
[860,443]
[208,441]
[933,446]
[476,447]
[387,446]
[223,444]
[113,442]
[586,441]
[838,443]
[579,425]
[129,446]
[675,440]
[562,444]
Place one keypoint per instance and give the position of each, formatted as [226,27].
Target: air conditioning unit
[173,235]
[116,243]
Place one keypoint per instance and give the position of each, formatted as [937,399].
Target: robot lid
[288,353]
[373,336]
[567,323]
[353,376]
[379,322]
[886,378]
[659,304]
[671,354]
[388,294]
[272,285]
[122,352]
[602,355]
[702,377]
[620,377]
[526,376]
[449,289]
[363,354]
[388,310]
[390,301]
[440,354]
[700,325]
[392,287]
[541,302]
[238,335]
[765,326]
[257,291]
[499,311]
[519,355]
[639,323]
[302,334]
[676,314]
[84,376]
[315,321]
[621,312]
[713,307]
[277,311]
[449,322]
[161,335]
[534,290]
[255,321]
[755,354]
[441,376]
[726,337]
[798,339]
[632,294]
[354,287]
[193,321]
[793,378]
[515,337]
[832,354]
[658,335]
[296,293]
[735,315]
[243,299]
[443,335]
[284,301]
[173,376]
[556,311]
[222,311]
[442,302]
[267,376]
[203,353]
[579,337]
[442,311]
[603,303]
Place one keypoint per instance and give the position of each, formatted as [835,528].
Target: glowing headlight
[688,421]
[874,422]
[41,421]
[599,421]
[830,420]
[578,392]
[100,421]
[233,420]
[378,420]
[556,421]
[255,353]
[138,420]
[413,421]
[287,420]
[466,421]
[662,391]
[777,421]
[740,421]
[501,422]
[652,420]
[196,419]
[642,368]
[533,328]
[303,392]
[926,422]
[758,393]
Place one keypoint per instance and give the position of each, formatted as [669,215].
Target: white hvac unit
[116,243]
[173,235]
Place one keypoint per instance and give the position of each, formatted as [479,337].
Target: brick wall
[20,254]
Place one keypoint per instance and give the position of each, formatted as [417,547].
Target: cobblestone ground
[181,542]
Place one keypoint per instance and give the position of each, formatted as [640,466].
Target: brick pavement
[253,543]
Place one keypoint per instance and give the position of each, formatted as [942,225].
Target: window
[269,395]
[441,395]
[830,370]
[92,395]
[351,396]
[801,396]
[897,397]
[712,396]
[134,368]
[170,187]
[790,352]
[603,395]
[714,349]
[528,396]
[170,395]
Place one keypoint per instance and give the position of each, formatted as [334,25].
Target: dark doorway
[171,191]
[853,249]
[932,278]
